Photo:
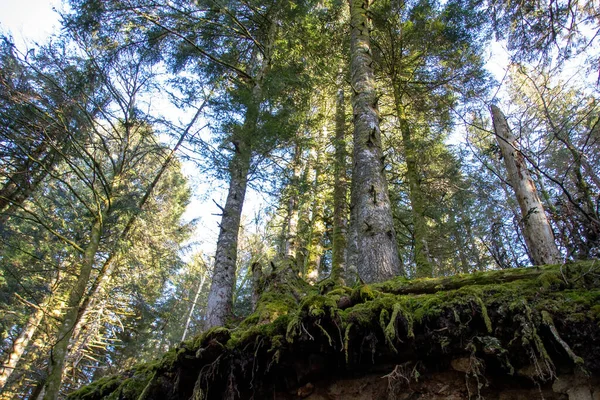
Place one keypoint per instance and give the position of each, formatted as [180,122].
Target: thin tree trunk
[305,213]
[340,190]
[59,350]
[378,257]
[257,276]
[316,227]
[191,313]
[538,233]
[20,344]
[423,262]
[289,239]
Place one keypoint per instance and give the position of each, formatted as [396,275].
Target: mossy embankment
[532,323]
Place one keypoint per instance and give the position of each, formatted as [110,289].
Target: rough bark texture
[537,231]
[223,279]
[376,239]
[340,189]
[59,350]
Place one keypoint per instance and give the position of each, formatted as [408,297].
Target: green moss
[115,387]
[595,312]
[550,280]
[362,294]
[388,328]
[340,291]
[280,319]
[318,306]
[293,328]
[99,389]
[401,310]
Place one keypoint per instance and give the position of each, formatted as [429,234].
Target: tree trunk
[223,280]
[376,238]
[59,350]
[340,189]
[20,344]
[424,265]
[289,239]
[316,226]
[537,231]
[305,209]
[193,307]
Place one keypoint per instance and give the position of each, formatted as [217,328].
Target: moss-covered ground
[531,321]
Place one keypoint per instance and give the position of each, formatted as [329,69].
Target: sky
[29,20]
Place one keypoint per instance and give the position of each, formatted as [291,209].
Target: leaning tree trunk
[58,352]
[223,280]
[21,344]
[340,189]
[193,307]
[376,238]
[537,231]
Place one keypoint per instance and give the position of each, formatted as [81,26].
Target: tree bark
[376,238]
[537,231]
[289,239]
[21,344]
[193,307]
[316,226]
[424,265]
[340,189]
[223,280]
[59,350]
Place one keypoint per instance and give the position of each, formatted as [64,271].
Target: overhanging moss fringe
[532,318]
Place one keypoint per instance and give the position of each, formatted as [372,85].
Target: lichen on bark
[377,250]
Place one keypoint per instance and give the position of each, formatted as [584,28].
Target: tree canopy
[379,144]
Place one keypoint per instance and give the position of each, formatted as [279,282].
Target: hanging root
[389,329]
[232,389]
[347,340]
[475,371]
[547,319]
[198,393]
[541,363]
[207,373]
[331,344]
[484,313]
[400,376]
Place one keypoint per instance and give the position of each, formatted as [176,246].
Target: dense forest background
[365,125]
